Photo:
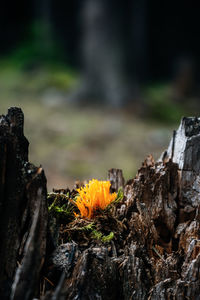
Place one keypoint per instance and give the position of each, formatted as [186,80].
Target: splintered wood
[23,212]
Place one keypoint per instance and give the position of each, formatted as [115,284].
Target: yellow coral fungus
[95,195]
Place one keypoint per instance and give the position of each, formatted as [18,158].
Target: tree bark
[112,51]
[23,212]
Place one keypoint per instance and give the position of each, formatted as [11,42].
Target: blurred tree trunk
[43,31]
[138,40]
[113,50]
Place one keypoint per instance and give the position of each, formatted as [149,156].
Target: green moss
[98,235]
[60,207]
[88,227]
[120,195]
[119,198]
[107,238]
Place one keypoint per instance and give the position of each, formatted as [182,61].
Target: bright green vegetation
[89,227]
[120,195]
[103,238]
[96,234]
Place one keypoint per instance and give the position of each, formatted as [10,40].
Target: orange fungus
[94,195]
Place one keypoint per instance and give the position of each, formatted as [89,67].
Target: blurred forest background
[102,83]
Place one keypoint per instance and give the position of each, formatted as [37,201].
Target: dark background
[170,29]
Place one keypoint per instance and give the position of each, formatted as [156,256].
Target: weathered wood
[26,282]
[184,149]
[19,185]
[116,179]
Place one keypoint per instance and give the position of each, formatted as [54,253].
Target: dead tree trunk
[23,212]
[146,246]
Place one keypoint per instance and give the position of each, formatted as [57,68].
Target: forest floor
[74,143]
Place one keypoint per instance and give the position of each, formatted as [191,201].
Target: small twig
[49,281]
[18,263]
[173,144]
[156,251]
[43,288]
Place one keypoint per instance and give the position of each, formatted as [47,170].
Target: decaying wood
[115,176]
[159,256]
[154,252]
[23,212]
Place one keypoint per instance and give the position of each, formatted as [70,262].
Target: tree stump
[145,246]
[23,212]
